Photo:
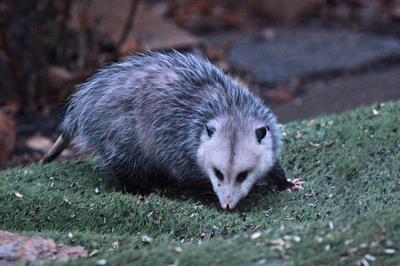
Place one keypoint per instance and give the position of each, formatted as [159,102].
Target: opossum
[178,114]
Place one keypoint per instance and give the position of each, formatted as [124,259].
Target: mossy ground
[350,206]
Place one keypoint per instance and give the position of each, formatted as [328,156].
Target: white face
[234,161]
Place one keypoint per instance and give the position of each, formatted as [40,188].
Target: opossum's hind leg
[277,177]
[127,181]
[143,178]
[56,150]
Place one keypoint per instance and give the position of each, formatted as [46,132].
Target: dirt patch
[17,249]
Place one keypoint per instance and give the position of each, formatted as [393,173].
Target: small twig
[127,27]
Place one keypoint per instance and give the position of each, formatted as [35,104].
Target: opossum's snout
[228,201]
[229,194]
[227,206]
[229,191]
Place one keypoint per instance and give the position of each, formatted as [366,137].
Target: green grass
[350,206]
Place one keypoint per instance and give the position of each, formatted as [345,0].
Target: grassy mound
[348,212]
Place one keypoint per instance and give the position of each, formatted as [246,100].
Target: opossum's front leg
[297,185]
[277,177]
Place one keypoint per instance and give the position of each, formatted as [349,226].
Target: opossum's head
[235,154]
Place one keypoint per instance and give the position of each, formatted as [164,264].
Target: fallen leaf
[146,239]
[292,238]
[389,251]
[315,145]
[277,244]
[115,245]
[299,135]
[101,262]
[331,225]
[369,257]
[67,200]
[255,235]
[178,249]
[93,253]
[18,194]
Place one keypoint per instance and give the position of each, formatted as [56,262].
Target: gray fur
[146,113]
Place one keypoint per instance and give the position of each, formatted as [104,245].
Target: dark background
[304,58]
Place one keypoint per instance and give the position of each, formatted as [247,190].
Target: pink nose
[227,206]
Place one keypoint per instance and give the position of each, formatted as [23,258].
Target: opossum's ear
[261,132]
[210,130]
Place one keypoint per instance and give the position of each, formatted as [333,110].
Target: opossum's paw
[298,185]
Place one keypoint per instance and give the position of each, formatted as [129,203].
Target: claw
[298,185]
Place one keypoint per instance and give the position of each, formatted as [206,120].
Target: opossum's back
[136,101]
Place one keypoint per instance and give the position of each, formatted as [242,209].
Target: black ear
[210,130]
[261,132]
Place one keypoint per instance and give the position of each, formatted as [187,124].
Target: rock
[341,94]
[306,52]
[279,95]
[396,9]
[146,239]
[8,136]
[19,249]
[287,10]
[150,30]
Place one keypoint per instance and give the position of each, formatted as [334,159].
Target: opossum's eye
[242,176]
[218,174]
[210,131]
[261,132]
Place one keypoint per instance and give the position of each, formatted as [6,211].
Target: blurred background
[304,58]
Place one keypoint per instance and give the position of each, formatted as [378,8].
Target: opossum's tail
[56,150]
